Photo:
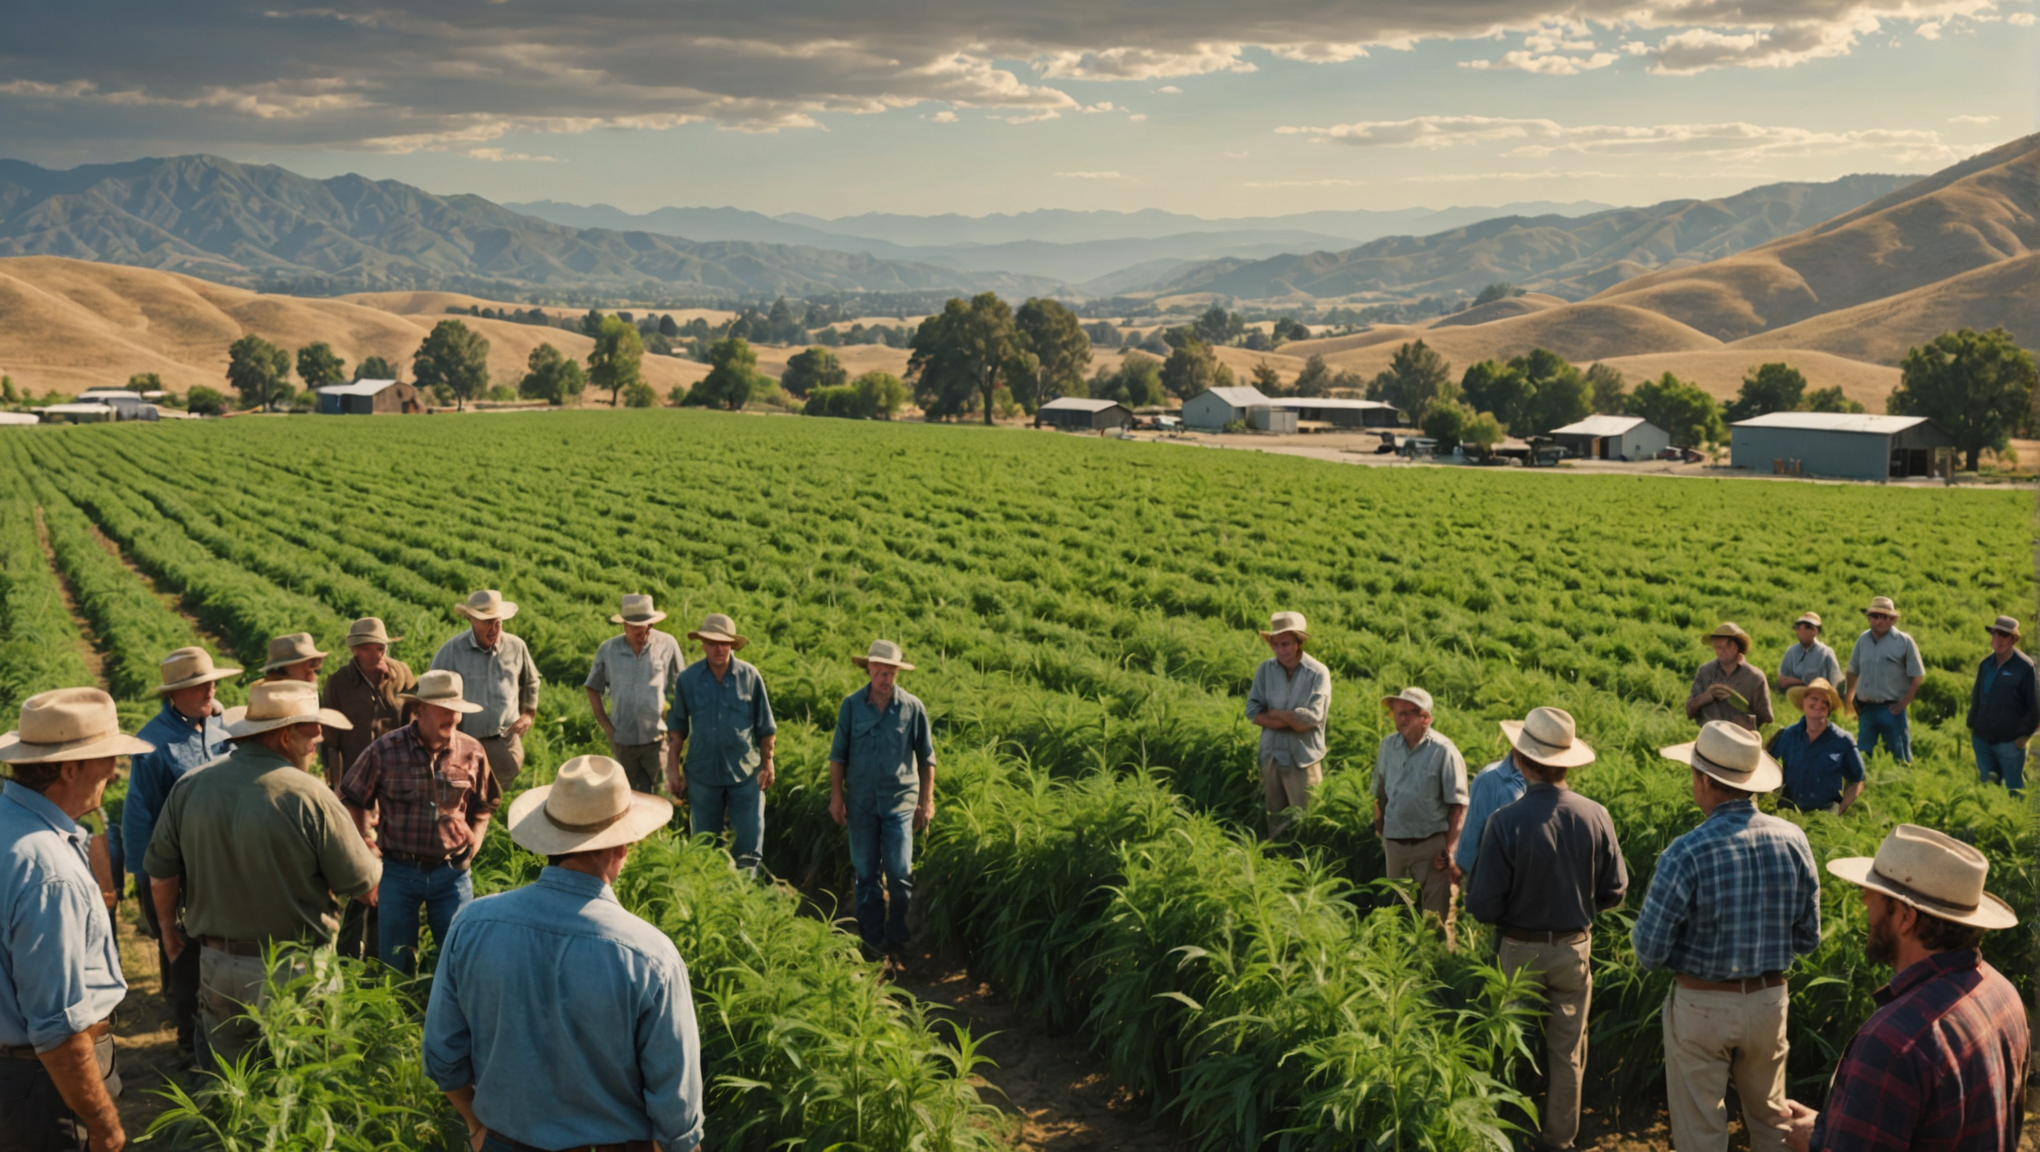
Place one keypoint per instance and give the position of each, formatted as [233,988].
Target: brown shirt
[373,707]
[425,799]
[1747,680]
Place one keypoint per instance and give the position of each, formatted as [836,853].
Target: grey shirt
[1884,668]
[1308,692]
[637,684]
[1803,663]
[1417,785]
[503,680]
[1548,863]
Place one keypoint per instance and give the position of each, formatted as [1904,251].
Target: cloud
[1728,142]
[1549,65]
[1094,176]
[946,116]
[1972,119]
[498,155]
[2022,19]
[1171,89]
[1301,183]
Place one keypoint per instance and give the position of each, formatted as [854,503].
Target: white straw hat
[1731,754]
[68,724]
[1546,735]
[716,626]
[1937,874]
[637,609]
[883,652]
[1282,622]
[277,704]
[190,667]
[441,688]
[295,648]
[486,605]
[1416,696]
[589,806]
[369,630]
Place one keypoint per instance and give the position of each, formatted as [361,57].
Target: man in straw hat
[294,657]
[1729,687]
[187,732]
[255,847]
[1942,1062]
[368,690]
[60,976]
[1420,802]
[1731,904]
[1548,865]
[882,788]
[1885,673]
[1289,699]
[431,792]
[1810,657]
[636,669]
[500,676]
[2004,707]
[722,722]
[1822,769]
[557,1019]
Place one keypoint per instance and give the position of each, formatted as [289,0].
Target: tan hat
[716,626]
[295,648]
[1731,754]
[1546,736]
[188,668]
[1729,630]
[1937,874]
[589,806]
[275,704]
[441,688]
[1797,694]
[1883,606]
[1812,618]
[1286,622]
[883,652]
[2009,625]
[68,724]
[637,609]
[369,630]
[1417,696]
[487,604]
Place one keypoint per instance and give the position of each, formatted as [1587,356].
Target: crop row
[40,647]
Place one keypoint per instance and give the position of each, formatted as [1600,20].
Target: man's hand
[1718,692]
[839,811]
[1797,1121]
[174,942]
[1443,863]
[524,722]
[369,898]
[1897,708]
[676,783]
[115,1138]
[924,814]
[766,775]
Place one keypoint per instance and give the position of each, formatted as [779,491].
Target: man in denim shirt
[722,719]
[882,788]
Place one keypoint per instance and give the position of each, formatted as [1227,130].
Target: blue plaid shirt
[1735,897]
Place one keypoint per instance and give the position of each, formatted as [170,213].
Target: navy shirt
[1816,770]
[881,751]
[2002,703]
[181,745]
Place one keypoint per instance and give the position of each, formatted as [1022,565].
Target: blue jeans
[1876,722]
[442,891]
[882,851]
[2007,760]
[745,806]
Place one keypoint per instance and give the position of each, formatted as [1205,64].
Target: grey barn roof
[1325,402]
[1078,404]
[1834,422]
[1239,397]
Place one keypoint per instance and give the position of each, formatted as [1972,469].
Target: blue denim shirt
[1816,770]
[1735,897]
[1498,785]
[181,745]
[59,964]
[571,1017]
[881,751]
[722,722]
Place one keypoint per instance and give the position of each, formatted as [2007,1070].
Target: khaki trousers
[1287,788]
[643,764]
[1568,981]
[506,757]
[1711,1039]
[229,985]
[1418,861]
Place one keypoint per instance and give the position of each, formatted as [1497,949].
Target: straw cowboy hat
[487,604]
[1417,696]
[2009,625]
[1937,874]
[68,724]
[188,668]
[369,630]
[637,609]
[1729,630]
[441,688]
[1797,694]
[1731,754]
[295,648]
[1546,736]
[589,806]
[1812,618]
[716,626]
[280,704]
[883,652]
[1287,622]
[1882,605]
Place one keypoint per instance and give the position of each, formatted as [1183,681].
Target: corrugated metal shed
[1082,413]
[1341,412]
[1214,408]
[1853,446]
[1599,426]
[1836,422]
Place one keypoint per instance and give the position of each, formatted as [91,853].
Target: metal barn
[1613,438]
[1847,445]
[1072,413]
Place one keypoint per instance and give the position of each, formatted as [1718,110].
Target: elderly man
[1548,865]
[293,657]
[1823,772]
[722,722]
[635,669]
[2004,708]
[186,733]
[255,847]
[369,690]
[1942,1062]
[1728,687]
[1810,658]
[60,976]
[431,792]
[557,1019]
[882,788]
[1730,906]
[1885,673]
[500,676]
[1288,702]
[1420,802]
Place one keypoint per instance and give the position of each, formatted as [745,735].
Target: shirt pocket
[452,786]
[407,788]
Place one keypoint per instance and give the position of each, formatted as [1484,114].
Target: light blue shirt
[59,964]
[571,1017]
[181,745]
[1499,785]
[722,722]
[882,751]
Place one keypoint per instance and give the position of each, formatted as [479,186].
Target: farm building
[1843,444]
[365,397]
[18,418]
[1613,438]
[77,414]
[1270,418]
[1074,413]
[1214,408]
[1340,413]
[126,405]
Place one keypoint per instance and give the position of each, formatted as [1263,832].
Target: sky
[1208,107]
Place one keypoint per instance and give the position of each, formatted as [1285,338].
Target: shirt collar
[1509,766]
[1939,964]
[476,644]
[172,715]
[575,883]
[249,752]
[39,806]
[1733,810]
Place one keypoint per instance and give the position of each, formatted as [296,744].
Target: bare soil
[144,1037]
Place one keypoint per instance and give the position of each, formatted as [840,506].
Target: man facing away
[1289,699]
[500,676]
[1420,802]
[882,788]
[636,669]
[723,737]
[1885,673]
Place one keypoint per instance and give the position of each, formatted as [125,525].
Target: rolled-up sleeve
[924,737]
[598,674]
[528,681]
[51,929]
[358,787]
[762,722]
[1452,777]
[669,1059]
[449,1041]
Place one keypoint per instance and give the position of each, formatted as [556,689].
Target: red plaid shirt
[424,798]
[1941,1064]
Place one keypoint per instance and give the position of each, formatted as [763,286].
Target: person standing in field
[369,691]
[1548,865]
[1823,772]
[1810,659]
[188,732]
[293,657]
[558,1019]
[1420,802]
[1729,687]
[1730,906]
[1289,700]
[722,741]
[1885,673]
[500,676]
[431,791]
[60,976]
[882,788]
[636,669]
[1495,787]
[254,847]
[1942,1062]
[2004,708]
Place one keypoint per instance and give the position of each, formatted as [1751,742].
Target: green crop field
[1082,613]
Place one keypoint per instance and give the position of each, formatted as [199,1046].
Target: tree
[8,394]
[455,358]
[880,394]
[1444,421]
[318,367]
[1608,389]
[1061,350]
[1267,379]
[963,354]
[732,375]
[1977,385]
[145,382]
[1558,393]
[1494,292]
[1416,378]
[1192,369]
[1290,328]
[1830,399]
[203,401]
[259,371]
[1492,386]
[640,394]
[1768,388]
[1314,380]
[1136,383]
[591,324]
[551,376]
[1481,433]
[667,327]
[812,369]
[375,368]
[614,361]
[1217,326]
[1684,410]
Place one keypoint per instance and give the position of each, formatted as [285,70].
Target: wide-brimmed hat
[1798,692]
[589,806]
[1730,630]
[1731,754]
[883,652]
[1546,735]
[188,668]
[637,609]
[1417,696]
[295,648]
[275,704]
[1812,618]
[1286,622]
[487,604]
[716,626]
[441,688]
[1935,873]
[2009,625]
[369,630]
[1883,606]
[68,724]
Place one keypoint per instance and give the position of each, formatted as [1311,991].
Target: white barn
[1214,408]
[1613,438]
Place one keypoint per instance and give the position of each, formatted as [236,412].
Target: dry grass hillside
[1720,371]
[2002,295]
[1503,309]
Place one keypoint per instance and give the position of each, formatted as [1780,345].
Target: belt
[1543,937]
[234,947]
[1861,703]
[1745,985]
[428,863]
[1411,839]
[97,1031]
